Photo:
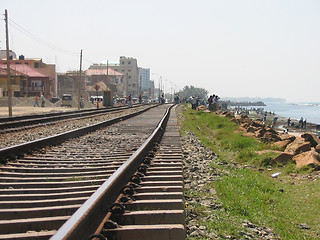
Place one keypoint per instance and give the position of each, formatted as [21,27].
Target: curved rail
[89,216]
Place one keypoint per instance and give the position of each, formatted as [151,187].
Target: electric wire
[35,38]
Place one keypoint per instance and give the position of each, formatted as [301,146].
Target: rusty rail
[13,151]
[88,217]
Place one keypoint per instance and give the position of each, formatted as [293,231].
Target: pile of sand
[4,101]
[29,102]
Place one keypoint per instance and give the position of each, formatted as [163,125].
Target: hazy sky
[232,48]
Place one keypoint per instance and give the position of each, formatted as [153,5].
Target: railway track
[55,185]
[11,124]
[20,136]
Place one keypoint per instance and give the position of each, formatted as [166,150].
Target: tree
[187,92]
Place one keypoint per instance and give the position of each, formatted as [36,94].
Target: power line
[44,43]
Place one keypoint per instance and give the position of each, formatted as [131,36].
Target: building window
[129,62]
[129,77]
[122,63]
[133,85]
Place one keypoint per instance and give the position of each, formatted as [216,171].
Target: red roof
[3,72]
[110,71]
[25,69]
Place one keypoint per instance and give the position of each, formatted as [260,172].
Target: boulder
[270,136]
[251,129]
[317,148]
[230,115]
[235,120]
[282,159]
[257,123]
[283,144]
[311,158]
[298,146]
[249,134]
[312,138]
[260,132]
[241,129]
[287,137]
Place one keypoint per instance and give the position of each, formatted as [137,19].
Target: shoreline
[281,124]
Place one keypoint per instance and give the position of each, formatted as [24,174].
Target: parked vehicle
[66,100]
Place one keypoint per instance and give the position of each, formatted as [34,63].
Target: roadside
[230,191]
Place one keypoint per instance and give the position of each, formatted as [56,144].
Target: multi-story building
[111,78]
[129,68]
[146,86]
[37,63]
[26,81]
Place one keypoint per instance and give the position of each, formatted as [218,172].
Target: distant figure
[274,121]
[140,99]
[305,123]
[210,100]
[36,102]
[129,100]
[289,120]
[42,101]
[265,116]
[193,101]
[301,122]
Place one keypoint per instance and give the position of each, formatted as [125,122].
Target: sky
[232,48]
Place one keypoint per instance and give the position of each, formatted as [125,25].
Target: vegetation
[246,191]
[187,92]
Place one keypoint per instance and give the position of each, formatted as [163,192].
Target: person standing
[289,120]
[129,100]
[42,101]
[36,102]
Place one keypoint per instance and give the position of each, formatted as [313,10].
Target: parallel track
[31,121]
[42,190]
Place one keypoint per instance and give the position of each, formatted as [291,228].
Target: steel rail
[88,217]
[46,118]
[18,150]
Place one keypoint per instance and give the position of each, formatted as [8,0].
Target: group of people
[302,123]
[36,102]
[213,102]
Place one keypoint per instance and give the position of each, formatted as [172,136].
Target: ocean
[309,111]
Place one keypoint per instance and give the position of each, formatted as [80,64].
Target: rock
[249,134]
[260,132]
[230,115]
[282,159]
[283,144]
[303,226]
[270,136]
[289,137]
[312,138]
[241,129]
[311,158]
[317,148]
[235,120]
[257,123]
[298,146]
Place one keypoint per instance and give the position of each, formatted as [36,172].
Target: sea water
[309,111]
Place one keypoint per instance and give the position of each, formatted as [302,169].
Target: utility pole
[79,90]
[8,67]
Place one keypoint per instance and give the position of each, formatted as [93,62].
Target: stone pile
[304,150]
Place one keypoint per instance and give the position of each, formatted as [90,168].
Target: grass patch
[247,194]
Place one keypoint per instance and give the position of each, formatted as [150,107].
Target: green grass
[256,197]
[246,193]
